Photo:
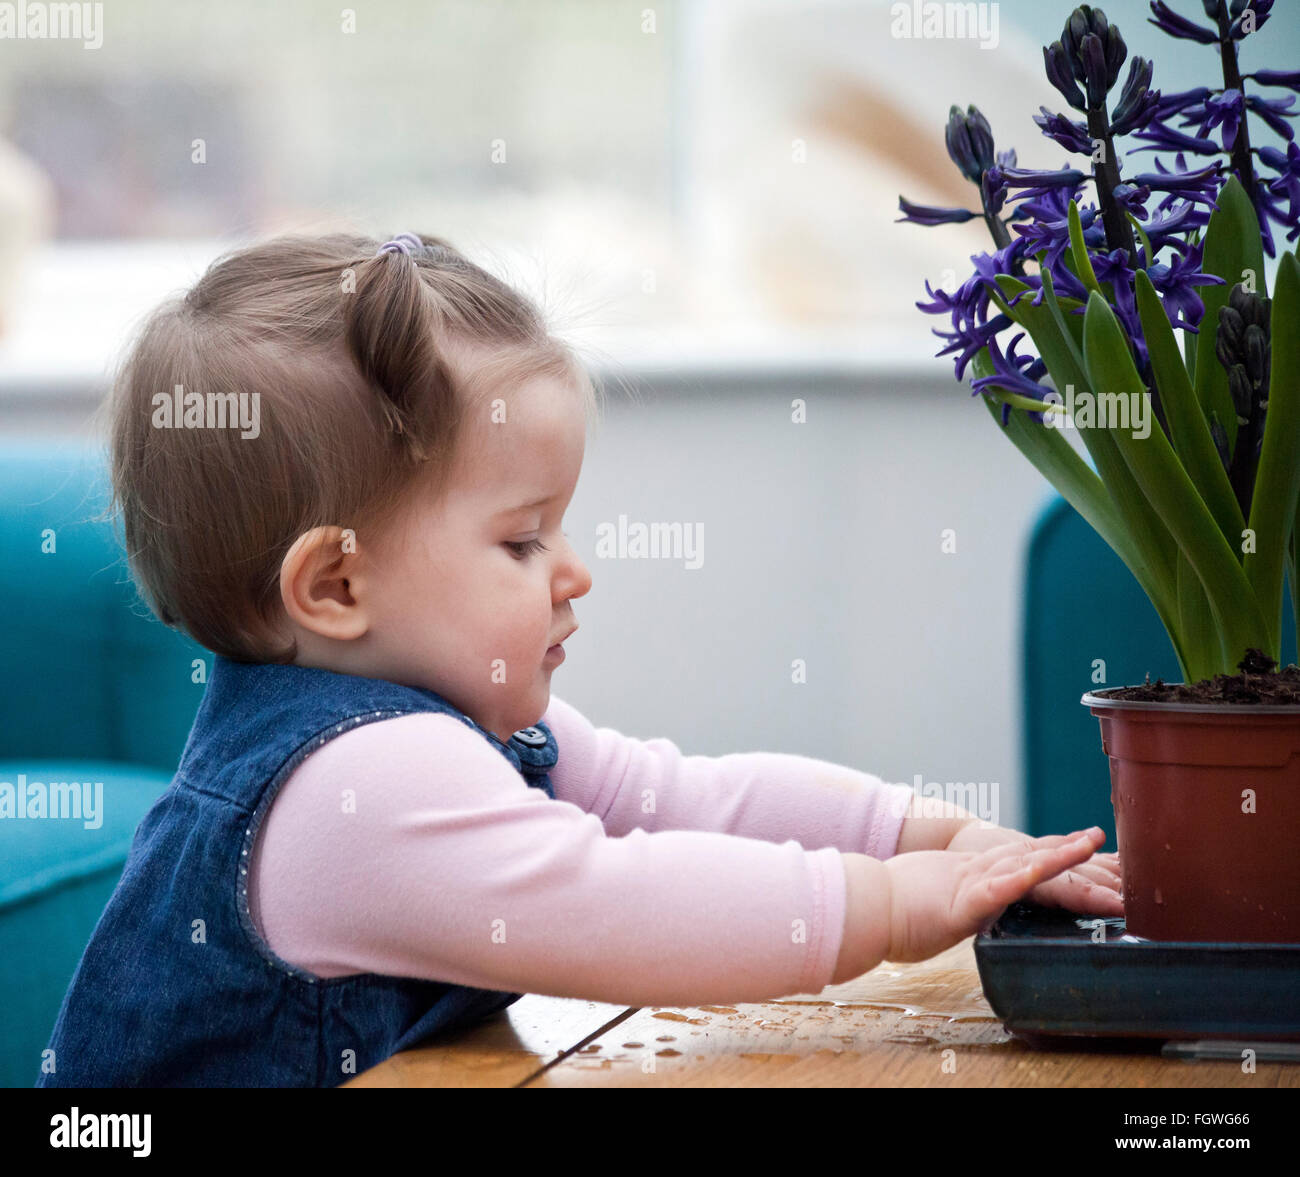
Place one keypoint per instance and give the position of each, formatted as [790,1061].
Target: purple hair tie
[402,243]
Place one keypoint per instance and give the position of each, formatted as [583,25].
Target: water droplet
[667,1052]
[1160,898]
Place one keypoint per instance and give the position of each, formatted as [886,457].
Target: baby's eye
[526,547]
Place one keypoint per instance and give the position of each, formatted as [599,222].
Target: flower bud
[970,142]
[1090,51]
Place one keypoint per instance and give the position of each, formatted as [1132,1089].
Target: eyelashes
[526,547]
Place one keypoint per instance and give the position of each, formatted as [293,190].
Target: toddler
[384,825]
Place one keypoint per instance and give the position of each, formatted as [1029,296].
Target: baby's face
[466,602]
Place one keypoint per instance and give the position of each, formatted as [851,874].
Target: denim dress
[176,987]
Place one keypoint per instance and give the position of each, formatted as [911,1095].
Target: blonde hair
[366,365]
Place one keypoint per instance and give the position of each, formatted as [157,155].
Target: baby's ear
[318,585]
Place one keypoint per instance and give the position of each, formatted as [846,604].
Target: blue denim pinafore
[176,987]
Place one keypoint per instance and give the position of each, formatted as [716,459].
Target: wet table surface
[901,1025]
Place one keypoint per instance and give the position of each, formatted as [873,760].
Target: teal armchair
[94,690]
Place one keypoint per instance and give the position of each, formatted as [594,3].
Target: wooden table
[901,1025]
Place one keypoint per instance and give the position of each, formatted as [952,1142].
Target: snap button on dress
[530,737]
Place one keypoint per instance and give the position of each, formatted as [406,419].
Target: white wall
[822,541]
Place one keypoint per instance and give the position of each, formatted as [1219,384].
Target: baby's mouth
[555,653]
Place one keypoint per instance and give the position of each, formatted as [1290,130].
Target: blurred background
[702,194]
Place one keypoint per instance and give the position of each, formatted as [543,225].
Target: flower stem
[1241,162]
[998,231]
[1001,238]
[1106,177]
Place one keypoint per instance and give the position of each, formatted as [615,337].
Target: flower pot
[1207,814]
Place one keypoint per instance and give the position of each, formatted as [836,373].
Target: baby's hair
[366,367]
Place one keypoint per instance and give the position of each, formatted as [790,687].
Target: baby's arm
[649,784]
[445,865]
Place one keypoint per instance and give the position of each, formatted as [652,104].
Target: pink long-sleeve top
[411,847]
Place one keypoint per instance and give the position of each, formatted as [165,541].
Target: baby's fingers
[1014,872]
[1102,876]
[1057,849]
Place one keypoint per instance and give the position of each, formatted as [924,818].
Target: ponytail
[392,323]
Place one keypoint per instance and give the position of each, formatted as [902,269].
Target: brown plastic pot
[1197,863]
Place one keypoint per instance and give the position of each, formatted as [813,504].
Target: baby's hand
[939,897]
[1093,887]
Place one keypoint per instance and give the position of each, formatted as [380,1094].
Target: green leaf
[1233,247]
[1277,479]
[1079,249]
[1150,550]
[1156,469]
[1079,485]
[1187,425]
[1142,237]
[1202,648]
[1061,465]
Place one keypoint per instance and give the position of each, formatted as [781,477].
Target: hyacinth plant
[1102,269]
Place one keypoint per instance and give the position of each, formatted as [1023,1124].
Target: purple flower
[970,142]
[1093,55]
[924,214]
[1217,110]
[1132,198]
[1084,66]
[1160,136]
[1169,227]
[1168,21]
[1061,76]
[1013,373]
[1048,231]
[1138,103]
[1275,112]
[1268,207]
[1177,102]
[1090,52]
[1287,79]
[1038,183]
[1071,135]
[993,189]
[970,331]
[1177,282]
[1114,268]
[1287,182]
[1258,11]
[1201,186]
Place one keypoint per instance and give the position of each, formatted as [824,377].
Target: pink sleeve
[411,847]
[649,784]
